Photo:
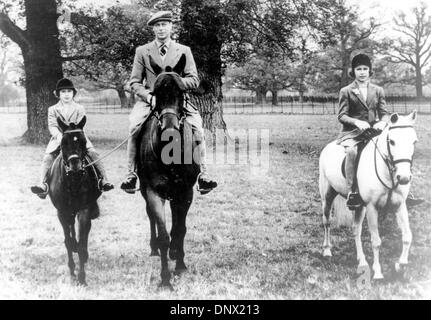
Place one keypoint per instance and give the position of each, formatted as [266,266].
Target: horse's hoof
[400,267]
[180,271]
[82,283]
[327,253]
[400,271]
[166,285]
[378,276]
[154,253]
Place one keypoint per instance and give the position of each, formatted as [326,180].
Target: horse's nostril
[398,177]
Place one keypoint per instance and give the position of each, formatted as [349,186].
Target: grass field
[257,236]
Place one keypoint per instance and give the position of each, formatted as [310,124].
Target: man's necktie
[163,50]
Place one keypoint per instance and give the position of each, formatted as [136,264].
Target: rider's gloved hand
[362,124]
[151,100]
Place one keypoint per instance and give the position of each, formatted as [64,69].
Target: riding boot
[205,183]
[42,188]
[353,198]
[129,184]
[104,184]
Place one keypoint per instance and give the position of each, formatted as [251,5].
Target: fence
[247,105]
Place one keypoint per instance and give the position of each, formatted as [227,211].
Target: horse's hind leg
[179,208]
[84,226]
[403,223]
[327,194]
[67,224]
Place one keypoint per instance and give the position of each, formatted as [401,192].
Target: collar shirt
[363,89]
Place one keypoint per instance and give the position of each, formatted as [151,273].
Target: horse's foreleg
[327,199]
[357,233]
[372,219]
[68,240]
[403,223]
[180,209]
[84,226]
[155,207]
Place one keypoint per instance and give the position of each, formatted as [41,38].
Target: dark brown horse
[164,176]
[73,189]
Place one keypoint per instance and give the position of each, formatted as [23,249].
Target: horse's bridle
[72,156]
[391,157]
[389,160]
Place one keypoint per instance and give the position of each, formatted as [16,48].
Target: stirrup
[43,194]
[203,190]
[131,190]
[356,197]
[103,188]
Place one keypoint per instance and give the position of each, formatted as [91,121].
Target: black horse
[161,180]
[73,189]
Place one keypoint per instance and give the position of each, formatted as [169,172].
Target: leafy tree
[351,36]
[106,41]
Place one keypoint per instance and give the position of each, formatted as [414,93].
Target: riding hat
[64,84]
[360,60]
[160,16]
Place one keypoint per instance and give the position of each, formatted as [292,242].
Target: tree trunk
[345,79]
[274,97]
[202,21]
[260,95]
[122,95]
[40,48]
[418,84]
[301,96]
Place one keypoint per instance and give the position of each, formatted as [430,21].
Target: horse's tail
[342,215]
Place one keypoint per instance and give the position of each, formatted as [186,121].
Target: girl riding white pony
[383,177]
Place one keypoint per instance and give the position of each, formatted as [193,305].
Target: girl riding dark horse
[73,189]
[165,143]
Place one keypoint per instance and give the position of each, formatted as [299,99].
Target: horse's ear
[394,117]
[413,116]
[156,68]
[81,123]
[61,124]
[181,64]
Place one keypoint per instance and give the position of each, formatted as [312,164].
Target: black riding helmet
[360,60]
[64,84]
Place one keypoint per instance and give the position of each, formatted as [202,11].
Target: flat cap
[160,16]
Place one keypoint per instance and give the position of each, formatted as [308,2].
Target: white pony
[383,176]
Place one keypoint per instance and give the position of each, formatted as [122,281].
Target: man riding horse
[165,52]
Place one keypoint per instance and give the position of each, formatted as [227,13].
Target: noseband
[167,111]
